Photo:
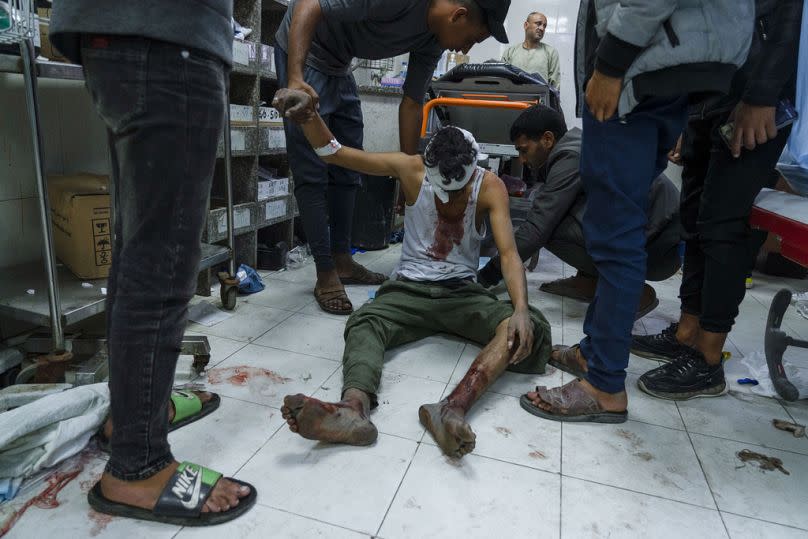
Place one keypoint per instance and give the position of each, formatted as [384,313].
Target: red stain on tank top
[448,233]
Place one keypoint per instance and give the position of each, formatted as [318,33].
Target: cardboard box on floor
[80,213]
[46,49]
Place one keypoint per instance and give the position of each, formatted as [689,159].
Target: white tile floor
[671,471]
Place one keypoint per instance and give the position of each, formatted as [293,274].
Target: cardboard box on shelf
[46,49]
[80,213]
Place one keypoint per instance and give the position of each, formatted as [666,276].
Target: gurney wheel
[201,363]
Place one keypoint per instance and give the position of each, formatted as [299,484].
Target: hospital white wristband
[329,149]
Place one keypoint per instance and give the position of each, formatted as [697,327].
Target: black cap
[494,12]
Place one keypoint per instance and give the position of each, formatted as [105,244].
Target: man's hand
[296,105]
[675,155]
[602,94]
[296,83]
[520,335]
[753,126]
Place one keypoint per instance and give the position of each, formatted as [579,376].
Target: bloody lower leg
[486,368]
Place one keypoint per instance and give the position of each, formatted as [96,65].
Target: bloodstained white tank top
[436,249]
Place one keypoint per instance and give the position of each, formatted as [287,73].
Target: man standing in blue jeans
[638,61]
[317,40]
[157,73]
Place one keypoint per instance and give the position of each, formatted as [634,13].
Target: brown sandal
[362,275]
[323,297]
[571,402]
[567,360]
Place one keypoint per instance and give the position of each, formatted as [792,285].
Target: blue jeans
[163,105]
[326,194]
[619,160]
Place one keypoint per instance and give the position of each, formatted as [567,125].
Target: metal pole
[228,180]
[30,78]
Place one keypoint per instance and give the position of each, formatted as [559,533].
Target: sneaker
[663,346]
[687,377]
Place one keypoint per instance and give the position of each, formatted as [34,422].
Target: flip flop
[572,403]
[362,275]
[566,360]
[324,296]
[181,501]
[566,288]
[188,407]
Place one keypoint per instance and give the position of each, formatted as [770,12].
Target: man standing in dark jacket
[719,184]
[157,72]
[640,60]
[555,221]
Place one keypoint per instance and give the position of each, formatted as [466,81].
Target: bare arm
[304,22]
[297,106]
[494,197]
[410,115]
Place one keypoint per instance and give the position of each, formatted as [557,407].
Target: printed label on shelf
[241,217]
[269,115]
[276,139]
[241,114]
[267,54]
[221,223]
[275,209]
[273,188]
[238,140]
[241,52]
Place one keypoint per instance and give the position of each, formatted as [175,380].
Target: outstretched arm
[298,106]
[494,197]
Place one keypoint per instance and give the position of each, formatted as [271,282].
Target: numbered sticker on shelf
[276,138]
[275,209]
[238,140]
[241,217]
[241,52]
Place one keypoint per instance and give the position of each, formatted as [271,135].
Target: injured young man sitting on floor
[433,289]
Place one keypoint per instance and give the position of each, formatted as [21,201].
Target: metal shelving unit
[253,82]
[58,298]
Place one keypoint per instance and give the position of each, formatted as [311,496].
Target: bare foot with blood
[448,427]
[344,422]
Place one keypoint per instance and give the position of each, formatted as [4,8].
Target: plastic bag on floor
[800,302]
[754,366]
[249,282]
[297,257]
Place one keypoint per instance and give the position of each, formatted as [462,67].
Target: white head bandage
[442,185]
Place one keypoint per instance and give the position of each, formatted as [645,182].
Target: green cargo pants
[406,311]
